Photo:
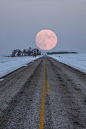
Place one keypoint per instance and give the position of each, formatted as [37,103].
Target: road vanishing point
[45,94]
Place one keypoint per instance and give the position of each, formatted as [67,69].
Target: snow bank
[9,64]
[77,61]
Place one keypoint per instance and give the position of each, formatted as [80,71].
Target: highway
[46,94]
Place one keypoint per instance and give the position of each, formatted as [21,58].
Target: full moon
[46,39]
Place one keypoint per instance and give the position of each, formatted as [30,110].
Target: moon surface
[46,39]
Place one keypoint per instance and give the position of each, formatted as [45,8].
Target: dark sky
[21,20]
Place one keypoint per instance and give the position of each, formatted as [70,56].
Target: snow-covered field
[9,64]
[77,61]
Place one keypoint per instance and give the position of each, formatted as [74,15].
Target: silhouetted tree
[13,53]
[24,52]
[29,52]
[19,52]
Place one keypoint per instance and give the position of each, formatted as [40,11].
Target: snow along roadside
[10,64]
[77,61]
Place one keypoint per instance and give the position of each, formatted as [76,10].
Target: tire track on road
[47,115]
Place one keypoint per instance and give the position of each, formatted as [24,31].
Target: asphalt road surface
[46,94]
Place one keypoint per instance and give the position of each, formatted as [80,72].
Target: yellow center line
[41,123]
[47,87]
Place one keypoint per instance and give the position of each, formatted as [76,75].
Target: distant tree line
[29,52]
[50,53]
